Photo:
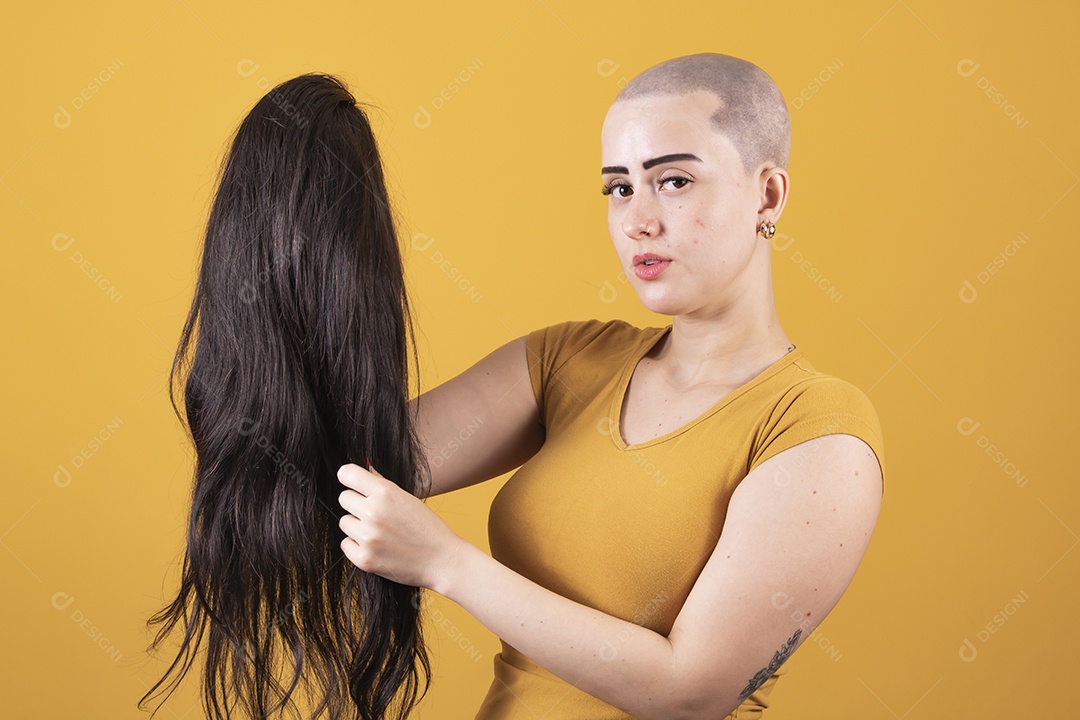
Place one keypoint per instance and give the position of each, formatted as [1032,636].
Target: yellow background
[908,181]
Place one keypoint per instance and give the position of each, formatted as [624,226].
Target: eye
[678,181]
[617,189]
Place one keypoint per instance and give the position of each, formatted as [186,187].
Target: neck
[727,347]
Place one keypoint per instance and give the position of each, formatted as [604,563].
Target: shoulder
[813,392]
[584,331]
[554,345]
[810,404]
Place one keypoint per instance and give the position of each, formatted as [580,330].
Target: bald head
[752,112]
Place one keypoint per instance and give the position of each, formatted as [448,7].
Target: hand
[392,533]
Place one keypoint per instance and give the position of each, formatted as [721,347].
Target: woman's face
[682,211]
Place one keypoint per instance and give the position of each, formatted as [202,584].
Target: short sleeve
[549,350]
[823,405]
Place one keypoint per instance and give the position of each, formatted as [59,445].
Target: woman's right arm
[482,423]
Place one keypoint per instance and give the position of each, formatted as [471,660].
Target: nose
[640,220]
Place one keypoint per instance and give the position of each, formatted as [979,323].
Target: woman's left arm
[796,528]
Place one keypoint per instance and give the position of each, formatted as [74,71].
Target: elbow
[711,708]
[675,700]
[693,692]
[700,701]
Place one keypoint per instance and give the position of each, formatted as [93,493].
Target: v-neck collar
[647,344]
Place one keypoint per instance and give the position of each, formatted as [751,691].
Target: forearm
[392,533]
[621,663]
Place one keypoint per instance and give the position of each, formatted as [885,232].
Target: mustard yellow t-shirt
[628,529]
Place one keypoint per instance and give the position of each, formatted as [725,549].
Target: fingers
[359,555]
[366,491]
[350,525]
[353,476]
[356,545]
[374,509]
[363,481]
[352,502]
[361,550]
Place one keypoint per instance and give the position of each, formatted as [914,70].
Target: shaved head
[752,112]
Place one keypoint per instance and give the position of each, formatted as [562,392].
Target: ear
[773,184]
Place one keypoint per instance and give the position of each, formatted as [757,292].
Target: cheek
[700,222]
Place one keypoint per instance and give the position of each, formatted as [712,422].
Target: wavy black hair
[297,358]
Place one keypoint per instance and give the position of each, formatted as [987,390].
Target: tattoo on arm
[765,673]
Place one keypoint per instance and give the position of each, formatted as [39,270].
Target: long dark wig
[297,357]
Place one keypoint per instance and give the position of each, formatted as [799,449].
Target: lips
[649,266]
[648,259]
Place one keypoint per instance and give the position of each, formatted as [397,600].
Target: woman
[300,329]
[693,500]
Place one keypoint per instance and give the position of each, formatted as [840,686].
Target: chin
[662,302]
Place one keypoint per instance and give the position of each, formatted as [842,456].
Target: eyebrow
[650,163]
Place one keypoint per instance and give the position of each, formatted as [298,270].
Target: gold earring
[767,229]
